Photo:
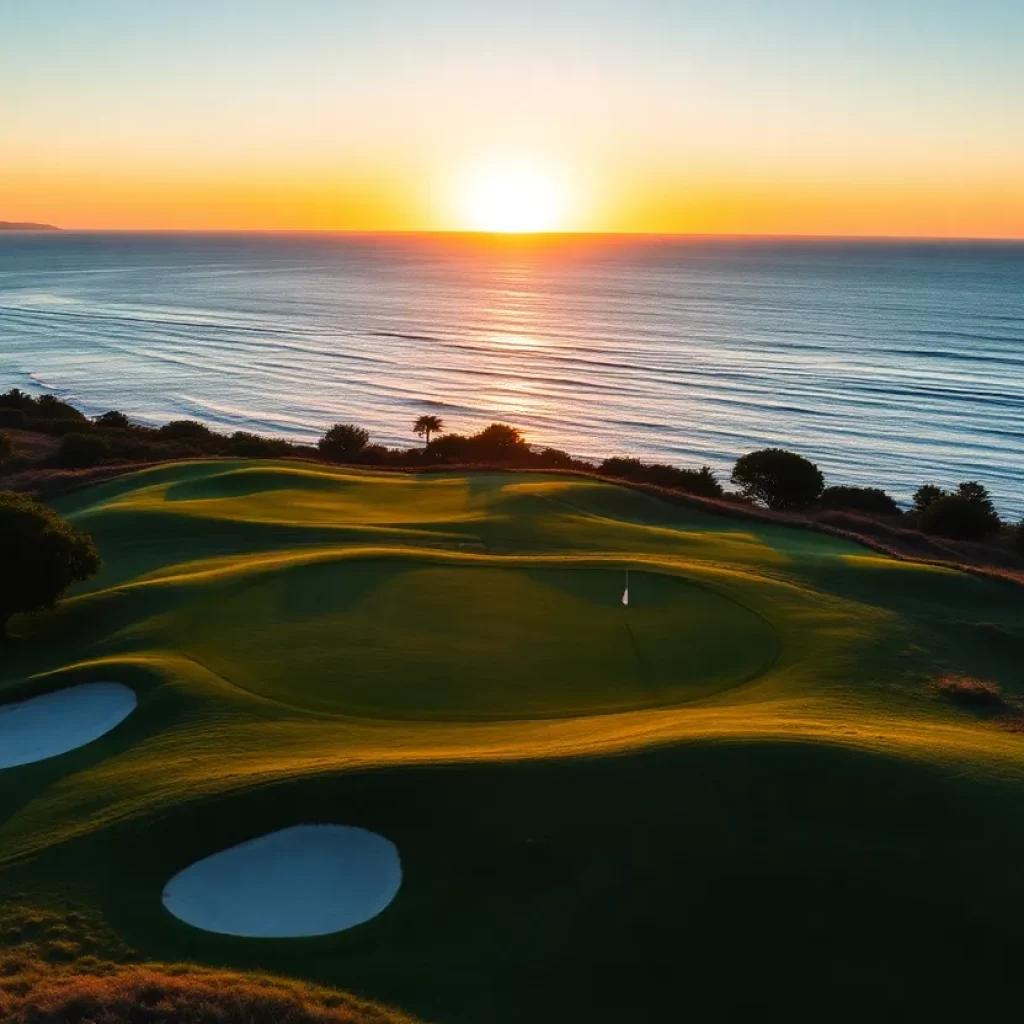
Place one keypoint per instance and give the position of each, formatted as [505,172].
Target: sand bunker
[54,723]
[301,881]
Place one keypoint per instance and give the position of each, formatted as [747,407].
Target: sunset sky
[738,116]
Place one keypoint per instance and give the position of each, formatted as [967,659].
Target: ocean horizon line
[512,237]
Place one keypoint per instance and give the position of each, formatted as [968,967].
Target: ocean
[888,363]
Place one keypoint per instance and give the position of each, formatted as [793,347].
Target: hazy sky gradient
[778,116]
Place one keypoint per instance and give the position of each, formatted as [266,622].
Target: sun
[514,199]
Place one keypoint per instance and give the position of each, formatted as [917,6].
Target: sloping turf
[737,792]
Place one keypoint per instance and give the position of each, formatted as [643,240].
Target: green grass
[742,792]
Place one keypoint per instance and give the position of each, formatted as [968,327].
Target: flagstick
[629,631]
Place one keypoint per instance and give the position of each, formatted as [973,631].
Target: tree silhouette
[343,442]
[925,495]
[869,500]
[498,443]
[41,555]
[79,451]
[114,419]
[964,514]
[779,479]
[427,425]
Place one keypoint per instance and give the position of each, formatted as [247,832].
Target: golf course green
[743,790]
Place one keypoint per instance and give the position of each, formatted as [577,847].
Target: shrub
[79,451]
[693,481]
[58,427]
[925,495]
[965,514]
[622,467]
[498,443]
[1018,537]
[376,455]
[978,495]
[870,500]
[114,419]
[449,448]
[6,448]
[251,446]
[779,479]
[186,430]
[343,442]
[41,555]
[554,458]
[11,417]
[141,449]
[17,399]
[701,481]
[975,694]
[51,408]
[134,451]
[955,517]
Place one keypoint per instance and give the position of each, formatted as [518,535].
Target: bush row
[773,477]
[113,437]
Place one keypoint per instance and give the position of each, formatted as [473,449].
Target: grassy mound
[32,992]
[749,773]
[60,968]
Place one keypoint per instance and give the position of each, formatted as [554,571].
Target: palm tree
[427,425]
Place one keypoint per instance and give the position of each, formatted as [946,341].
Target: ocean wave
[866,360]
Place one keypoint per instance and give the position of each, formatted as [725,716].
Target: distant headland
[13,225]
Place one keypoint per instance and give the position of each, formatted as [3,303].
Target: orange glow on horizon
[496,117]
[510,199]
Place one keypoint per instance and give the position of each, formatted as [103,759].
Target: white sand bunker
[54,723]
[301,881]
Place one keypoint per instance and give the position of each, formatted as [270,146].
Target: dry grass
[996,556]
[28,444]
[983,697]
[33,992]
[975,694]
[993,559]
[66,969]
[49,482]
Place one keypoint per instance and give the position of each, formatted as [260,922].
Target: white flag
[625,596]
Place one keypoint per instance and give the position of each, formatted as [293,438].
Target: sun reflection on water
[516,342]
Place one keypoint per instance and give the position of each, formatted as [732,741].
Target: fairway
[575,789]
